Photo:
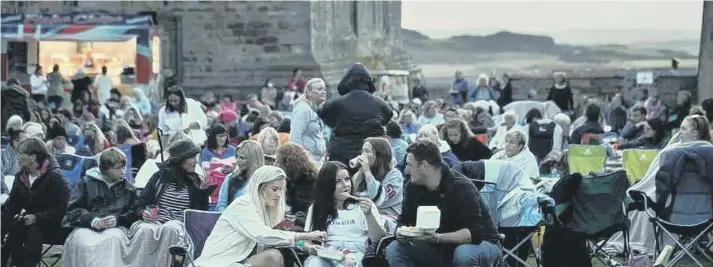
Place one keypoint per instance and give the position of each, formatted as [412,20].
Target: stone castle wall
[234,46]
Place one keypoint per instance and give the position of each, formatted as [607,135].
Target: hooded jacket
[46,198]
[15,101]
[354,115]
[97,198]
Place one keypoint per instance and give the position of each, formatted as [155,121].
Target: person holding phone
[101,211]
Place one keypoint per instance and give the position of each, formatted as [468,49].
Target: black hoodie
[354,115]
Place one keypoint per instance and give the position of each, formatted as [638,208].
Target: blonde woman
[245,228]
[269,140]
[306,128]
[249,158]
[94,139]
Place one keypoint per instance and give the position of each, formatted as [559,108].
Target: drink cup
[354,163]
[153,209]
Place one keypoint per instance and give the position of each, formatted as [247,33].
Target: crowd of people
[346,171]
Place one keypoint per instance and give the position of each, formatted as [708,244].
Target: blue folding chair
[127,151]
[74,167]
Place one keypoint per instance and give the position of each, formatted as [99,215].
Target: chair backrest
[72,166]
[637,161]
[597,203]
[687,197]
[198,224]
[585,159]
[541,138]
[127,151]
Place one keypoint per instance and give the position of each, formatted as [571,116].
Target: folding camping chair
[599,211]
[74,168]
[637,161]
[684,206]
[591,139]
[584,159]
[198,224]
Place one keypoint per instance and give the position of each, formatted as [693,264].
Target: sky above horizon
[560,19]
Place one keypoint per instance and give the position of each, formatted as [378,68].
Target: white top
[39,84]
[104,86]
[170,122]
[349,227]
[32,179]
[238,230]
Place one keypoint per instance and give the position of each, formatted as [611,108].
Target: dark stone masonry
[234,46]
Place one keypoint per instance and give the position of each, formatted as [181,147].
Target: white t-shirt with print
[349,230]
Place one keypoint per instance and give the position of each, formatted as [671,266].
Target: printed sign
[75,19]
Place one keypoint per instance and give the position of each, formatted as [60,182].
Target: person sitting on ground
[407,122]
[217,146]
[591,126]
[173,189]
[516,150]
[431,115]
[301,173]
[102,210]
[379,180]
[57,142]
[430,133]
[463,142]
[653,137]
[467,235]
[249,157]
[633,128]
[350,222]
[245,231]
[398,144]
[510,123]
[269,141]
[33,213]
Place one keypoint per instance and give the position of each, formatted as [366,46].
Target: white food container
[428,218]
[330,254]
[410,233]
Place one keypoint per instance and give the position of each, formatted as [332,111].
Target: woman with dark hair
[350,222]
[66,119]
[354,115]
[683,106]
[268,95]
[218,145]
[481,121]
[249,158]
[37,203]
[182,114]
[463,142]
[301,174]
[653,137]
[297,82]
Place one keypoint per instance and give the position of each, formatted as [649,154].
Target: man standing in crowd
[467,235]
[39,85]
[459,89]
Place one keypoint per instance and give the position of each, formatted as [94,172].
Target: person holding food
[350,222]
[466,235]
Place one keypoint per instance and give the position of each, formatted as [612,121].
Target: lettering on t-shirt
[390,191]
[343,222]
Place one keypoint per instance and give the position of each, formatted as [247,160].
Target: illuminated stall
[85,41]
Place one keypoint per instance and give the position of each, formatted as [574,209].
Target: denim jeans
[423,254]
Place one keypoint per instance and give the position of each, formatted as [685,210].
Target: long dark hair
[182,106]
[215,130]
[323,210]
[659,130]
[381,148]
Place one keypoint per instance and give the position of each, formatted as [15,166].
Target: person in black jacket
[15,101]
[561,93]
[177,178]
[38,200]
[354,115]
[463,142]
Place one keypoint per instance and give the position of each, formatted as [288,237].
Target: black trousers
[563,248]
[39,98]
[24,243]
[56,100]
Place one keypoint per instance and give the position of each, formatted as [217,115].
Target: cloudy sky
[567,21]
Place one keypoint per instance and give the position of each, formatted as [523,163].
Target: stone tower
[705,62]
[235,46]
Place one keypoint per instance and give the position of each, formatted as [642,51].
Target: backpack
[541,138]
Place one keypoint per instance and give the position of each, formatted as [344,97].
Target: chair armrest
[383,242]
